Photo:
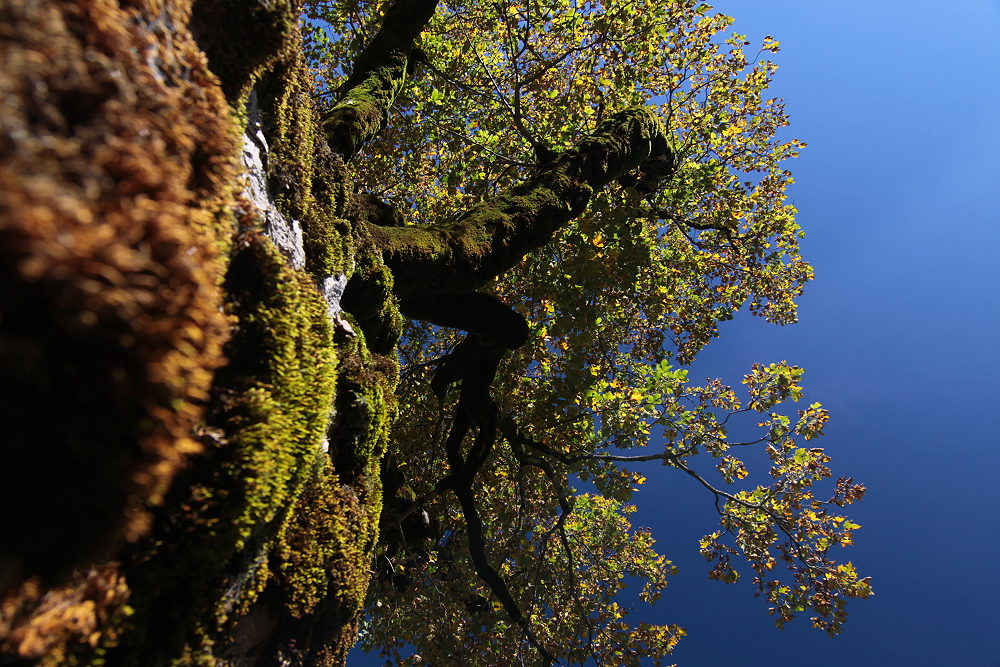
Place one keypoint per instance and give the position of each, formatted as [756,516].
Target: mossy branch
[494,236]
[378,75]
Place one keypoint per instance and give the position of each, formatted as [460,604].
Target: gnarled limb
[379,73]
[494,236]
[493,329]
[472,409]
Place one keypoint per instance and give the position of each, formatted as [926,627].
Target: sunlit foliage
[636,284]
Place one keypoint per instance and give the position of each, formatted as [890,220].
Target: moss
[378,76]
[74,624]
[317,538]
[207,559]
[325,555]
[364,410]
[320,569]
[318,565]
[358,119]
[117,157]
[115,229]
[312,185]
[309,182]
[370,298]
[241,38]
[239,547]
[494,236]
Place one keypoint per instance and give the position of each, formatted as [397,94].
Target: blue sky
[898,193]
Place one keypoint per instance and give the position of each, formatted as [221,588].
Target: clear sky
[898,189]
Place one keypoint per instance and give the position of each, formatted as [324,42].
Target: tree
[700,229]
[610,169]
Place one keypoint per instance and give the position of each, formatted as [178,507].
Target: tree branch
[494,236]
[378,75]
[492,578]
[566,508]
[493,329]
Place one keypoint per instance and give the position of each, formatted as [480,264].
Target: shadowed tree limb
[493,329]
[479,313]
[379,73]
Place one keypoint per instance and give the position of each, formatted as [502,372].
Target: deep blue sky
[898,192]
[899,102]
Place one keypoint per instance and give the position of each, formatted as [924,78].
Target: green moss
[309,182]
[325,554]
[319,571]
[370,298]
[377,77]
[241,38]
[365,409]
[359,118]
[206,560]
[320,568]
[494,236]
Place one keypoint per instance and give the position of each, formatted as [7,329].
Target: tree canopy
[487,550]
